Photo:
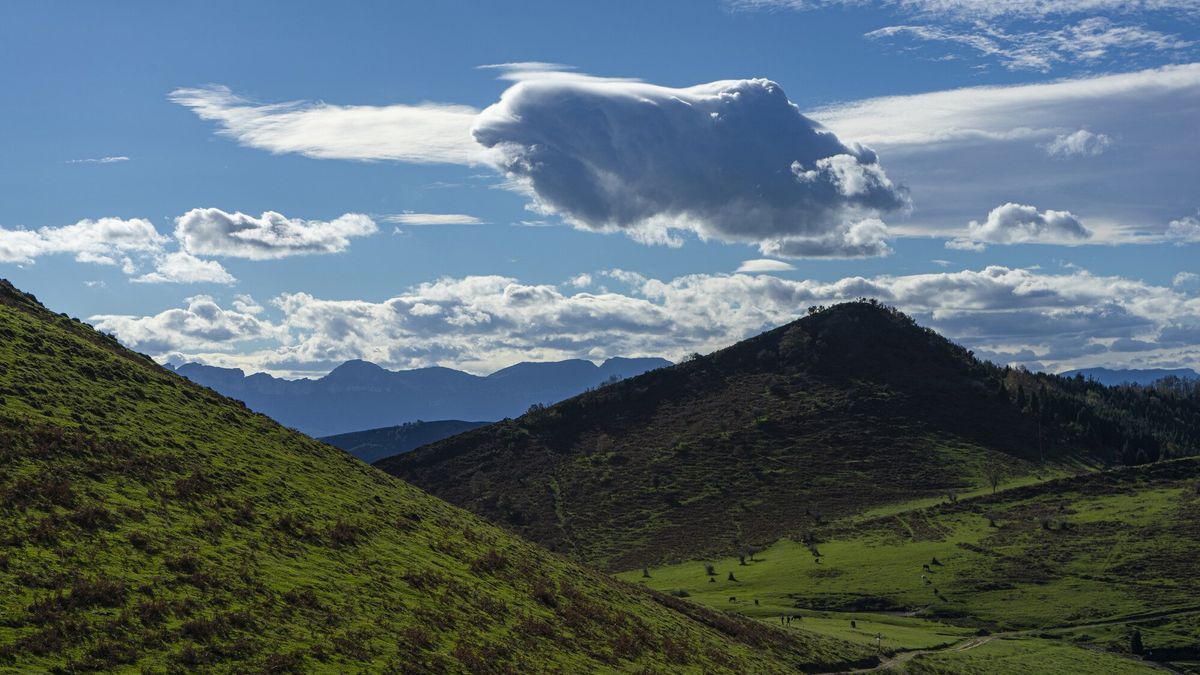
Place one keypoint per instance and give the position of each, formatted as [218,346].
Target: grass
[1021,656]
[148,524]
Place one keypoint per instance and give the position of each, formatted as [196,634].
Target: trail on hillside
[902,657]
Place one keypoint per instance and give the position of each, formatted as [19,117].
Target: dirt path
[902,657]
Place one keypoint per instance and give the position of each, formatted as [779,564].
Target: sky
[283,186]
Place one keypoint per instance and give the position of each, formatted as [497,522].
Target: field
[1055,566]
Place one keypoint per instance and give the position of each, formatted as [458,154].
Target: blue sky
[1048,219]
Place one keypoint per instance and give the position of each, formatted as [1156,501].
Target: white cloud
[433,219]
[215,232]
[181,267]
[1086,41]
[1184,230]
[764,265]
[733,161]
[100,160]
[420,133]
[581,280]
[1081,143]
[486,322]
[101,241]
[1186,280]
[1022,224]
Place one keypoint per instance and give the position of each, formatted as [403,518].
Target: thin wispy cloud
[1086,42]
[114,159]
[432,219]
[984,9]
[422,133]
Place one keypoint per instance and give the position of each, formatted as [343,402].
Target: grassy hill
[373,445]
[848,409]
[1041,571]
[149,524]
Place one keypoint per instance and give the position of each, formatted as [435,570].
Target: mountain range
[359,395]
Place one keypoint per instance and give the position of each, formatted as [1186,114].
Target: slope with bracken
[849,408]
[147,523]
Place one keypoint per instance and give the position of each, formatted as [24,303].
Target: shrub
[490,562]
[544,592]
[343,533]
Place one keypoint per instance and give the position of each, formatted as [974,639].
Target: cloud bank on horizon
[1041,319]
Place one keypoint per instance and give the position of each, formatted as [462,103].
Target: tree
[994,472]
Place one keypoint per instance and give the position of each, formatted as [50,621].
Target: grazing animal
[733,598]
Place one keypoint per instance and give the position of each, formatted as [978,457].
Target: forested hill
[148,524]
[848,408]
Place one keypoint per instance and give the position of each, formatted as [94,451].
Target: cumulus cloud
[734,161]
[764,265]
[1186,280]
[581,280]
[409,218]
[215,232]
[421,133]
[1081,143]
[483,323]
[181,267]
[1022,224]
[102,241]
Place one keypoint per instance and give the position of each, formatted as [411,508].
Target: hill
[149,524]
[360,395]
[849,408]
[1083,560]
[375,444]
[1144,376]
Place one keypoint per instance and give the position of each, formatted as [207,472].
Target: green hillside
[849,409]
[148,524]
[1013,582]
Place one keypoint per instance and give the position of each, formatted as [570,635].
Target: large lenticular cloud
[734,161]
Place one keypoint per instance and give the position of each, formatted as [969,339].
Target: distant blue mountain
[1111,376]
[360,395]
